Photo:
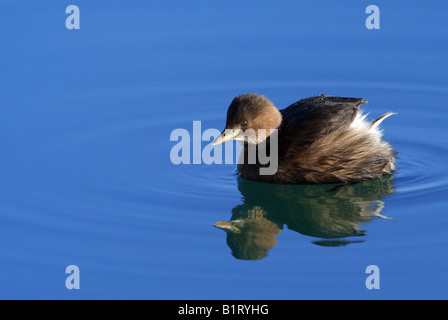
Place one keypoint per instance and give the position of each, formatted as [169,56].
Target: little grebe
[321,139]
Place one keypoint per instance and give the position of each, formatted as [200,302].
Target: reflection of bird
[250,235]
[330,214]
[321,139]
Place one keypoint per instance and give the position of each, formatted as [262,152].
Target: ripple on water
[421,168]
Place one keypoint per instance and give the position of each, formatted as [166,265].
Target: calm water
[86,177]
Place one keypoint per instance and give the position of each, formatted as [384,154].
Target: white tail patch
[365,127]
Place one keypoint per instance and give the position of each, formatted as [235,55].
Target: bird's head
[250,117]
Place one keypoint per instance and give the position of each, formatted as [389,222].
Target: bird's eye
[244,123]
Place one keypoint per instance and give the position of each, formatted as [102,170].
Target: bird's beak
[226,135]
[227,226]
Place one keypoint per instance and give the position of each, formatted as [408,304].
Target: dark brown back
[312,118]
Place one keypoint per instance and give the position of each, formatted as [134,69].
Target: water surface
[86,176]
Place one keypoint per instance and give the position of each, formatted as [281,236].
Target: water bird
[320,139]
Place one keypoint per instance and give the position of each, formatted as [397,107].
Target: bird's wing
[312,118]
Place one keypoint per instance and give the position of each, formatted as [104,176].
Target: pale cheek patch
[252,136]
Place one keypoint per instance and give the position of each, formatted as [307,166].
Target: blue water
[86,177]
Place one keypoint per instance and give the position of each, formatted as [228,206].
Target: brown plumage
[321,139]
